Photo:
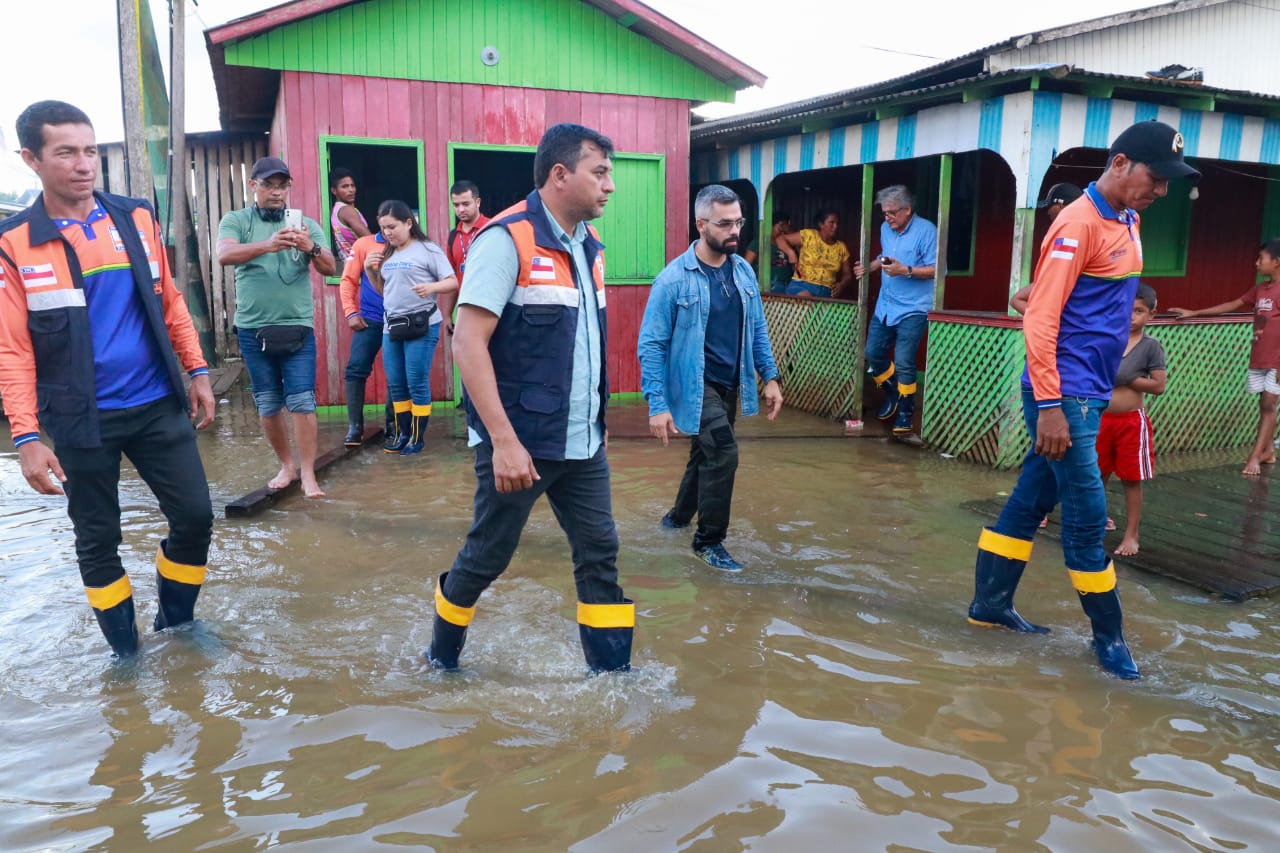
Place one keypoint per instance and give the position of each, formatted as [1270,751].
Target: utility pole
[179,174]
[135,139]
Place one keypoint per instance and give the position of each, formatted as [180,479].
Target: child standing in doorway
[1264,358]
[1124,436]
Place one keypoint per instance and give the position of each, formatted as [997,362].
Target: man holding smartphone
[272,248]
[909,247]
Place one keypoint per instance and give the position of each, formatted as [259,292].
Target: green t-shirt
[272,289]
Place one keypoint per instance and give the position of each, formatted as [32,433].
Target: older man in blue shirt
[907,263]
[702,342]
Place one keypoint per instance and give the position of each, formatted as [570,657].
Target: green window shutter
[633,227]
[1165,228]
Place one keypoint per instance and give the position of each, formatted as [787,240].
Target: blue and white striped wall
[1027,129]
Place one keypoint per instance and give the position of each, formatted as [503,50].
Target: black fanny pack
[282,340]
[408,327]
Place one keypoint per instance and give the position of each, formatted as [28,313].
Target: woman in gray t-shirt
[409,273]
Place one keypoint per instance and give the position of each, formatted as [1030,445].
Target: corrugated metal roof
[970,66]
[853,100]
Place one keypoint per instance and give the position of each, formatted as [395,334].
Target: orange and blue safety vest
[532,346]
[59,367]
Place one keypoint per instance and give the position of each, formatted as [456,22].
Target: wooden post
[179,167]
[864,286]
[944,229]
[135,140]
[1024,229]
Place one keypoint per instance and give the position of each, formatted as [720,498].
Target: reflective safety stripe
[402,406]
[607,615]
[452,613]
[46,299]
[107,597]
[1004,546]
[884,377]
[421,411]
[1103,581]
[180,572]
[906,390]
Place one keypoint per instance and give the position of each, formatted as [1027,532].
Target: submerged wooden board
[264,498]
[1210,528]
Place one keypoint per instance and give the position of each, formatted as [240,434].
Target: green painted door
[633,227]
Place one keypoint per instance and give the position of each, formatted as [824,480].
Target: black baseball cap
[1060,194]
[1156,144]
[265,167]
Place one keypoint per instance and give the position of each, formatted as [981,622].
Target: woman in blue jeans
[409,272]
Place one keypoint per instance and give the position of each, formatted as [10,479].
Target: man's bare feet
[310,488]
[1270,460]
[1128,547]
[1252,468]
[285,477]
[1111,523]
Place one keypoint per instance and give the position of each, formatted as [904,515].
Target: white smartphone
[292,217]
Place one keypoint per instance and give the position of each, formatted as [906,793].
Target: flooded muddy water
[831,696]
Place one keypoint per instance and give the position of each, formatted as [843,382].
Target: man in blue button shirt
[907,263]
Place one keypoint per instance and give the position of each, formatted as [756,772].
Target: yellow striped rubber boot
[889,405]
[449,631]
[1101,603]
[905,422]
[1001,560]
[606,631]
[178,587]
[113,607]
[417,429]
[404,426]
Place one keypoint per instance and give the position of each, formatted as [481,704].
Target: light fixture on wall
[489,55]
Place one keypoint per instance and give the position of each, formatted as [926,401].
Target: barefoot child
[1124,436]
[1264,301]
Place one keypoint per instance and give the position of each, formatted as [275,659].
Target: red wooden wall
[312,105]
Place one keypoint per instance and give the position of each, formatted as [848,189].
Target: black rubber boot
[355,413]
[449,630]
[1104,612]
[404,429]
[417,431]
[885,382]
[178,587]
[1001,560]
[119,627]
[606,631]
[903,425]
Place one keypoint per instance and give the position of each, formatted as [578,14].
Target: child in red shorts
[1264,358]
[1124,436]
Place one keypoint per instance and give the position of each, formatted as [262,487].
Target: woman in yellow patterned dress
[821,261]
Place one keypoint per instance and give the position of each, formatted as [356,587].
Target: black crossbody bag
[281,340]
[408,327]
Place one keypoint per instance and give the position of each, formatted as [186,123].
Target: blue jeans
[578,491]
[904,338]
[408,366]
[1074,480]
[365,344]
[795,287]
[280,381]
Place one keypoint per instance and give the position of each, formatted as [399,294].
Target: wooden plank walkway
[264,498]
[1210,528]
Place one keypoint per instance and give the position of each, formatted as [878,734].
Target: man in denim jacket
[702,342]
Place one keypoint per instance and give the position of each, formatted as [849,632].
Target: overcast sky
[805,48]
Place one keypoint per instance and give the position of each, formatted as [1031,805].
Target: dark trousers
[707,486]
[578,491]
[365,344]
[161,443]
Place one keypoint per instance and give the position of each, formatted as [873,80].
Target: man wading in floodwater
[1076,329]
[530,345]
[90,322]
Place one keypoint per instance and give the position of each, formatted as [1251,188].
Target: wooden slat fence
[218,183]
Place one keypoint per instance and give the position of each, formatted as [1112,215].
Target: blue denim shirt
[673,334]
